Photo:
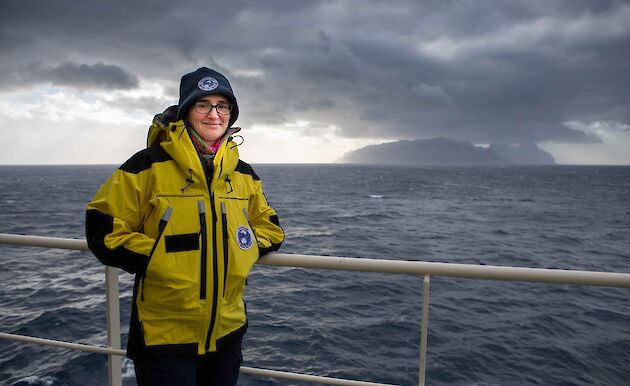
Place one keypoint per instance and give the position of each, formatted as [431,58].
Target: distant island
[447,152]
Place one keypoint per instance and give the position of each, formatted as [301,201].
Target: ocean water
[362,326]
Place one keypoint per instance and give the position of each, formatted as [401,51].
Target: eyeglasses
[205,107]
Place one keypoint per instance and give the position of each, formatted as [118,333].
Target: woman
[190,220]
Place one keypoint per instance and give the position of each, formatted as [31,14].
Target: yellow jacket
[190,234]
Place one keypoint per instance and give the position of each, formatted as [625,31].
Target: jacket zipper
[162,225]
[226,259]
[215,274]
[204,249]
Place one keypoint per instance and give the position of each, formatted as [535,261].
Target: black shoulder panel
[245,168]
[143,159]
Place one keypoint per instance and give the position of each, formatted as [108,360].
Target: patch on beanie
[208,84]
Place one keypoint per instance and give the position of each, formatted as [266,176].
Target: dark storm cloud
[81,76]
[485,71]
[98,75]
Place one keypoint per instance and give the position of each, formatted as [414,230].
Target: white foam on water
[127,369]
[36,380]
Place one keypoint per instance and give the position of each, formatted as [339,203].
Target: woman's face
[210,126]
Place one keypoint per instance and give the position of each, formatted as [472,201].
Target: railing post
[424,329]
[112,303]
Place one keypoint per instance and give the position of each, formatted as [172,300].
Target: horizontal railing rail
[244,370]
[416,268]
[62,344]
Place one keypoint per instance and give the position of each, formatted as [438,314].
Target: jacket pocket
[240,248]
[161,226]
[172,280]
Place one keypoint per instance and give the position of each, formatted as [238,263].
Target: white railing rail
[416,268]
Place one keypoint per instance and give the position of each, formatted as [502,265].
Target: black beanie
[200,83]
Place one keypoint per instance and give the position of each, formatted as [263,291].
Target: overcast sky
[81,80]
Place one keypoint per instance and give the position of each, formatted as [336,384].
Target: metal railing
[416,268]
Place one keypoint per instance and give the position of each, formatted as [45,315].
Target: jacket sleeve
[264,221]
[113,221]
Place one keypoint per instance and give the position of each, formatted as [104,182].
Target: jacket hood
[172,135]
[161,122]
[167,120]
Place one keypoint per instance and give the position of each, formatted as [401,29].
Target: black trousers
[220,368]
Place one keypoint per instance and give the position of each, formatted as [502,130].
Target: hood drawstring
[229,182]
[237,136]
[189,180]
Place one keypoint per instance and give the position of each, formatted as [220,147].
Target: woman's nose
[213,112]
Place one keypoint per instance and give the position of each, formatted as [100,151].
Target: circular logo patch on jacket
[244,237]
[208,84]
